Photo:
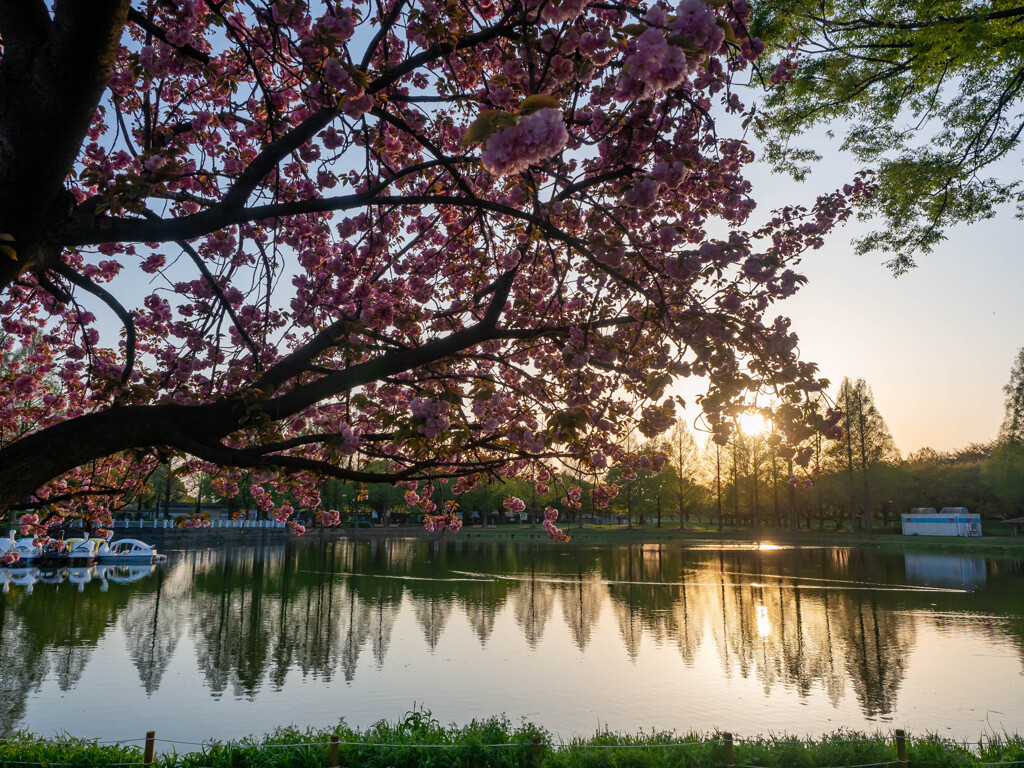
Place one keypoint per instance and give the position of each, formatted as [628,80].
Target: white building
[950,521]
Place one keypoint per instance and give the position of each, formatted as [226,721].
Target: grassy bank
[421,742]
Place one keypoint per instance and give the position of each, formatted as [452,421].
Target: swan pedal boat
[80,552]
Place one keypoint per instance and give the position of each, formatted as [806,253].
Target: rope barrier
[552,745]
[73,741]
[810,741]
[48,762]
[635,746]
[946,742]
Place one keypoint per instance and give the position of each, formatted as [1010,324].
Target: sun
[753,424]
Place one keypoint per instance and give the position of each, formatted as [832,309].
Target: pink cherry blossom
[533,138]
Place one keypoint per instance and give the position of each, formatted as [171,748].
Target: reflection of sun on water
[764,627]
[753,424]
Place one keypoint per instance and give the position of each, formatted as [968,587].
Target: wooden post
[150,747]
[727,751]
[333,762]
[536,749]
[901,748]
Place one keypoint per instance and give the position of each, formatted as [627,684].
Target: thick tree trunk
[53,76]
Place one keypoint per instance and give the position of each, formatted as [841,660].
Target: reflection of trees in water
[763,619]
[51,632]
[432,615]
[22,666]
[764,624]
[786,618]
[532,604]
[305,617]
[581,604]
[632,601]
[687,618]
[231,628]
[878,643]
[153,623]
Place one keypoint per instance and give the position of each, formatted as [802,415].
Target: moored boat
[27,552]
[130,551]
[86,551]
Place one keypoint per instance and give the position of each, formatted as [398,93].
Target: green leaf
[538,101]
[481,128]
[730,33]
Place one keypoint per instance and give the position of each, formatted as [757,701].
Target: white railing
[213,524]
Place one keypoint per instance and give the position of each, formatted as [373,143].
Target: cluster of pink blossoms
[441,523]
[196,522]
[514,505]
[329,517]
[433,414]
[698,22]
[263,500]
[655,64]
[573,496]
[550,515]
[535,137]
[29,524]
[603,494]
[10,557]
[355,101]
[558,11]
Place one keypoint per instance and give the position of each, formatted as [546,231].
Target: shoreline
[768,539]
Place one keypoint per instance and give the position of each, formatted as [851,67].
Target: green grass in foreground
[421,742]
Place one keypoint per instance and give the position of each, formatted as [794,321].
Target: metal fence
[213,524]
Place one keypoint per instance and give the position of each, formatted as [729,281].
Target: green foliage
[928,92]
[419,741]
[21,747]
[1012,428]
[1005,472]
[157,491]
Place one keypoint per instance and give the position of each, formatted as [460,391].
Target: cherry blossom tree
[378,241]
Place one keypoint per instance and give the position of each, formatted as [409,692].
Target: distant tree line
[859,482]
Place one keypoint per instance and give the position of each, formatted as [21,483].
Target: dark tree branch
[140,20]
[107,298]
[211,281]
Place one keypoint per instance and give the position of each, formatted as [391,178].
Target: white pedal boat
[130,551]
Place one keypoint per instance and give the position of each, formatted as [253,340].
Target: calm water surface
[227,642]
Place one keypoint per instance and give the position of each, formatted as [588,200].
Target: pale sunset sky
[936,345]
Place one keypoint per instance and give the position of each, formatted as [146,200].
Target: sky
[936,345]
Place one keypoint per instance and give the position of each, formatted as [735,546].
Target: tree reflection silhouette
[807,620]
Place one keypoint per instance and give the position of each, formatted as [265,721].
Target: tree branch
[107,298]
[140,20]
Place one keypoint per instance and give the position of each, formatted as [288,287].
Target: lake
[221,643]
